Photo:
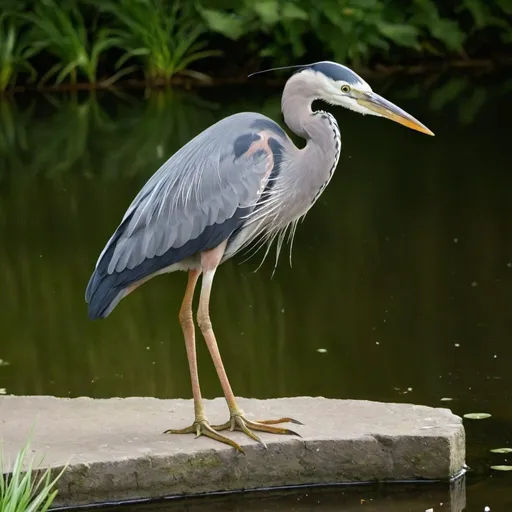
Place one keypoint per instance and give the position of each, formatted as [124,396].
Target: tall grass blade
[23,489]
[14,51]
[61,31]
[165,37]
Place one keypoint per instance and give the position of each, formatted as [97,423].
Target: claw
[203,428]
[281,420]
[240,425]
[239,422]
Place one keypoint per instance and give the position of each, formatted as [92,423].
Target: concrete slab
[116,450]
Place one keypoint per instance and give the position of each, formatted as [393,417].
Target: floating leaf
[502,468]
[477,415]
[502,450]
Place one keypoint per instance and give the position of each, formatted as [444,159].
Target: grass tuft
[166,37]
[23,490]
[61,31]
[15,50]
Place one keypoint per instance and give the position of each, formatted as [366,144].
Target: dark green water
[402,271]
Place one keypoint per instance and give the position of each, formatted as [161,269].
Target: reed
[164,37]
[24,490]
[61,31]
[76,41]
[15,51]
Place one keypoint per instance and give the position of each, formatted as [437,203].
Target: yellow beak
[385,108]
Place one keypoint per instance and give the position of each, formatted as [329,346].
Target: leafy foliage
[60,29]
[356,30]
[21,491]
[164,35]
[15,51]
[69,39]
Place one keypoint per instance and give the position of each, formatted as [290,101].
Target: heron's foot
[238,421]
[203,428]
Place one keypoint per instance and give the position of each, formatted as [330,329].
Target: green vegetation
[98,41]
[361,30]
[62,32]
[21,490]
[165,36]
[15,52]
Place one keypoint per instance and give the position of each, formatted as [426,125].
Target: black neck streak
[335,134]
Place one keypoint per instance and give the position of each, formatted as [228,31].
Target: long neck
[318,128]
[318,159]
[296,106]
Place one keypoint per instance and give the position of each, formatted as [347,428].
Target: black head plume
[298,66]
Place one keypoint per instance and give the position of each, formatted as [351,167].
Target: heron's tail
[103,294]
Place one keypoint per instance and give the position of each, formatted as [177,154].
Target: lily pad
[502,450]
[477,415]
[502,468]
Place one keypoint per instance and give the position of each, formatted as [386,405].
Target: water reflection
[402,271]
[392,498]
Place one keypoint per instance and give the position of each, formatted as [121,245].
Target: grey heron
[241,180]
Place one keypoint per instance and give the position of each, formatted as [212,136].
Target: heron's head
[339,85]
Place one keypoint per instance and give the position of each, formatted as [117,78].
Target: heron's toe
[203,428]
[239,422]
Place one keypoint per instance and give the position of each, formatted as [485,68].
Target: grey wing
[191,204]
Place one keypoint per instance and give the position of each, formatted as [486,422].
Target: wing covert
[204,184]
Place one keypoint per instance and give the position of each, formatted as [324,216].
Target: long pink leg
[200,425]
[205,324]
[209,262]
[187,325]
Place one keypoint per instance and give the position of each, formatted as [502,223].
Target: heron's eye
[345,88]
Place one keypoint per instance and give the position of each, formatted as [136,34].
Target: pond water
[402,271]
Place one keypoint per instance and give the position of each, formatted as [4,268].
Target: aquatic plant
[60,30]
[359,30]
[165,36]
[21,490]
[15,51]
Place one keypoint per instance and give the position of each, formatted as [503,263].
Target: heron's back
[198,198]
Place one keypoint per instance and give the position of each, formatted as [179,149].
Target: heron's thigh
[210,259]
